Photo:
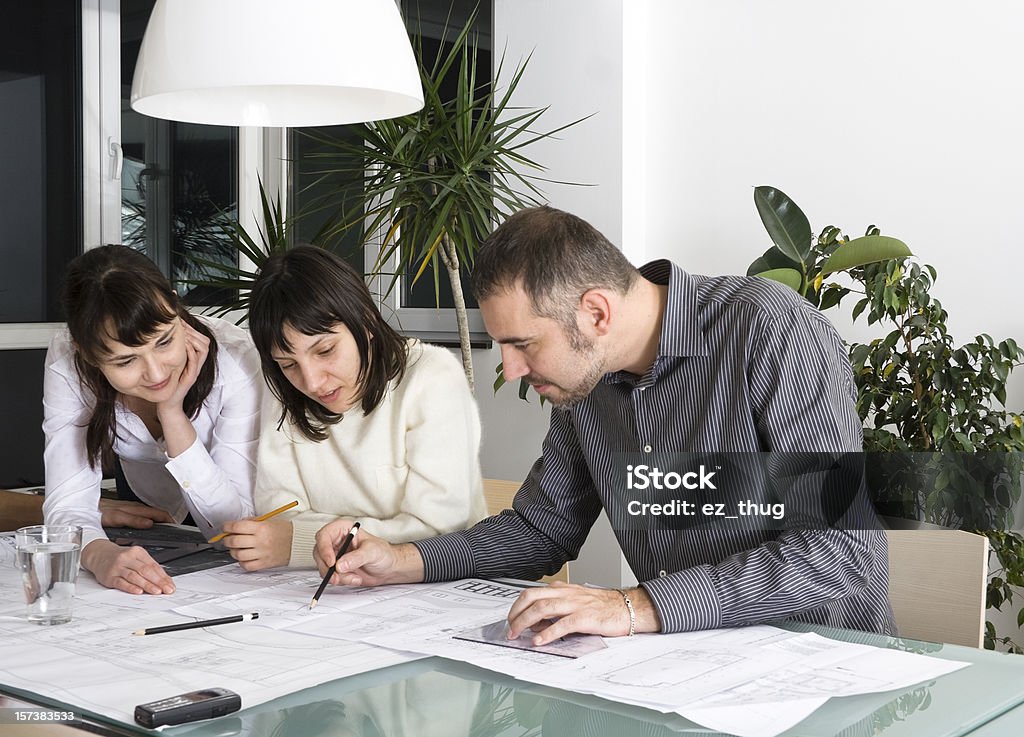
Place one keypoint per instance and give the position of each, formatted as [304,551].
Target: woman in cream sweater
[363,424]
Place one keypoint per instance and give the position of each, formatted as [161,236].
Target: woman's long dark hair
[115,292]
[312,290]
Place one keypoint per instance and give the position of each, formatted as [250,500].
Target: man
[650,362]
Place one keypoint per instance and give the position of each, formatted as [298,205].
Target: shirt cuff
[685,601]
[191,468]
[303,544]
[446,557]
[91,534]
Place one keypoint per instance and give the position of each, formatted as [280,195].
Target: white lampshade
[276,63]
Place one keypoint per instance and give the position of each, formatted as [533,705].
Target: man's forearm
[408,564]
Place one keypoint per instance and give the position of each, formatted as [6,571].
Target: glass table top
[443,698]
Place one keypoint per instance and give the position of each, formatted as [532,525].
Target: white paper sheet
[753,681]
[95,663]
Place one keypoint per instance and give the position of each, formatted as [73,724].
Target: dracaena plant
[436,182]
[423,189]
[946,450]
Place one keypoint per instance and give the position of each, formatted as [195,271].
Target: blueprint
[752,681]
[85,662]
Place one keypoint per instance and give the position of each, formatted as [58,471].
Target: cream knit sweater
[408,470]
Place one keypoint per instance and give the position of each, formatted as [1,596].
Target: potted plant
[948,452]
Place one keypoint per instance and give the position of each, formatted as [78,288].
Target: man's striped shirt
[744,365]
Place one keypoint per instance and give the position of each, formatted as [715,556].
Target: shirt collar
[681,335]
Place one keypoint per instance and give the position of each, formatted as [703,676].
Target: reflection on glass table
[444,698]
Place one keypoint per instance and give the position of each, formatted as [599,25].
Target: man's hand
[369,560]
[129,569]
[258,545]
[562,609]
[120,513]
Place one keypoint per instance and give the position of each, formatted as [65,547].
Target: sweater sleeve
[442,488]
[279,482]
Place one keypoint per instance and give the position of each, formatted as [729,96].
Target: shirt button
[662,574]
[186,485]
[647,449]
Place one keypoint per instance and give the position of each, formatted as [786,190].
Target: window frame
[262,155]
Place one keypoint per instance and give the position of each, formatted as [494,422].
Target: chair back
[498,495]
[937,581]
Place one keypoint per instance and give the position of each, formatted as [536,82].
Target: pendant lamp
[277,63]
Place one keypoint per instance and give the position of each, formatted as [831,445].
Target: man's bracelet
[632,612]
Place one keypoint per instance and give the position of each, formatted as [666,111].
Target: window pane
[429,18]
[21,439]
[312,188]
[179,186]
[40,155]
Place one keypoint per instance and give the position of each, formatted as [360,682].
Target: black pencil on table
[330,571]
[195,625]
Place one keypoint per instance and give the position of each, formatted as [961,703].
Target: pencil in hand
[261,518]
[330,571]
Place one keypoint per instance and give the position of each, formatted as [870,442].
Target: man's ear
[596,310]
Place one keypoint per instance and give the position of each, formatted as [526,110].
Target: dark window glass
[179,184]
[21,439]
[318,195]
[40,155]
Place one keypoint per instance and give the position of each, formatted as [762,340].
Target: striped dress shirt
[744,365]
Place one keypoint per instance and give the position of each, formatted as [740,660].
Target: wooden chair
[937,580]
[499,496]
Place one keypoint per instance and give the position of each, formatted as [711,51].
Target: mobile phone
[188,707]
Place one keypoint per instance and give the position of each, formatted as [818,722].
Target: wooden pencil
[261,518]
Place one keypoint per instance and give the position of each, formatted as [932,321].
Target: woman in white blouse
[174,397]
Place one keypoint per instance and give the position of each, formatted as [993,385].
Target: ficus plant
[946,450]
[801,261]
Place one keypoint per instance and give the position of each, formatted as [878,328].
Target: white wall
[904,114]
[576,69]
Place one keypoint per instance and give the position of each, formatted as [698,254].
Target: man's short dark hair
[555,257]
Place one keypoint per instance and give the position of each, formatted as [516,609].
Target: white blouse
[213,479]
